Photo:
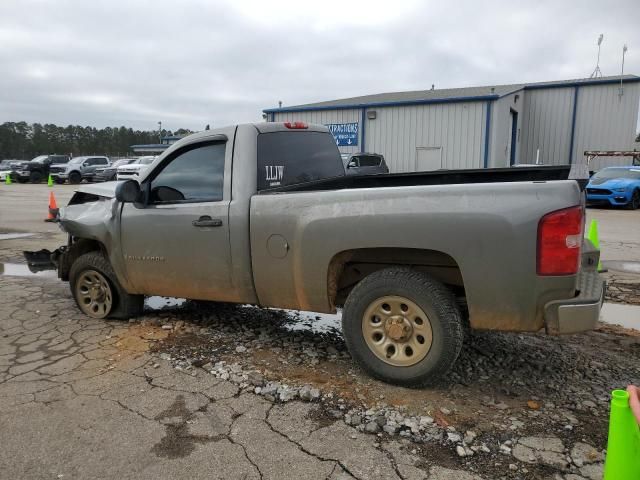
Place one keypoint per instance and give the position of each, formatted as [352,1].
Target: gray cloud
[190,63]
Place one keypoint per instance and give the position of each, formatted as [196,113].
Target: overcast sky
[189,63]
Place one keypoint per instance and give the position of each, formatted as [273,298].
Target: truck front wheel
[96,289]
[75,178]
[403,327]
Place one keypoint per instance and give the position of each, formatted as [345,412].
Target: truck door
[178,243]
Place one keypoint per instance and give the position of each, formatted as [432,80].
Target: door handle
[207,221]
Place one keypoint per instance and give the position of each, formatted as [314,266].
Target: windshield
[117,163]
[77,160]
[147,160]
[609,173]
[40,158]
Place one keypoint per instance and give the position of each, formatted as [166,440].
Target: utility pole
[160,132]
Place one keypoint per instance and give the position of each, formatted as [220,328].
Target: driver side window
[195,175]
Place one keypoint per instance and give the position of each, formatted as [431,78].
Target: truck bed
[443,177]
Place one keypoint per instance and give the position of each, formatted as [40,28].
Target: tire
[75,178]
[122,304]
[634,204]
[35,177]
[424,294]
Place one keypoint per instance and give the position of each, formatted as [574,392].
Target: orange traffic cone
[53,209]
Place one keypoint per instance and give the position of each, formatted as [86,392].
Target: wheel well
[78,247]
[349,267]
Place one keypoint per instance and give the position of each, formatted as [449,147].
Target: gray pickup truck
[264,214]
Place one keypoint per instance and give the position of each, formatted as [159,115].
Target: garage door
[428,158]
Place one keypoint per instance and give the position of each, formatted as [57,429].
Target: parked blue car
[616,186]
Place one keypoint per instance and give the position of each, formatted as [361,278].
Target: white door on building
[428,158]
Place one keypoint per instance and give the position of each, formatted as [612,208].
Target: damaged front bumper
[44,259]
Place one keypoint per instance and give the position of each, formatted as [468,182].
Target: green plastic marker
[623,446]
[594,238]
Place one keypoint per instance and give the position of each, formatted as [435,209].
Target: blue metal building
[475,127]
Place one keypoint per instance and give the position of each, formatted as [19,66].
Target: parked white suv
[134,169]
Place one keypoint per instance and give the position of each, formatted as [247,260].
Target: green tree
[23,141]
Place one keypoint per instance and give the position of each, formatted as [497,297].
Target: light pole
[597,72]
[160,132]
[621,91]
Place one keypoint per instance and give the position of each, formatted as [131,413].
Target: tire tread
[443,302]
[126,305]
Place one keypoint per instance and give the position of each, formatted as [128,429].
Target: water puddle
[316,322]
[11,236]
[23,270]
[627,316]
[622,266]
[160,303]
[298,320]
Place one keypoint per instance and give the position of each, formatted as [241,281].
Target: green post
[623,445]
[594,238]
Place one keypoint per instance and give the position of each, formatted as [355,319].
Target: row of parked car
[63,168]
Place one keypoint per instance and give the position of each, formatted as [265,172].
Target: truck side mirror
[127,191]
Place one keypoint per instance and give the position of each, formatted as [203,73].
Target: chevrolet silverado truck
[264,214]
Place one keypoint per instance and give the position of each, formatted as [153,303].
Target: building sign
[345,134]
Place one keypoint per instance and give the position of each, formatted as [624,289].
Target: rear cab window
[291,157]
[370,161]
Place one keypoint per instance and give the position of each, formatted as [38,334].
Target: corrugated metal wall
[456,128]
[453,133]
[546,124]
[606,121]
[324,117]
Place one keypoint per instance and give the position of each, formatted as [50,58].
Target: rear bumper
[579,313]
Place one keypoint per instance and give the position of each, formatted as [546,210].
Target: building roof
[152,147]
[446,95]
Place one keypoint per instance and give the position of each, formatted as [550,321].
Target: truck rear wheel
[96,290]
[35,177]
[403,327]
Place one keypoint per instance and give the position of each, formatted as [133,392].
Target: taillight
[559,242]
[296,125]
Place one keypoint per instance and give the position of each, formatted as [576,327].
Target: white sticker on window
[274,174]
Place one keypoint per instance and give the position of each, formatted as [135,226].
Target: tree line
[22,140]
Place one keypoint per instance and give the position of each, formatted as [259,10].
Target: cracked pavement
[82,398]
